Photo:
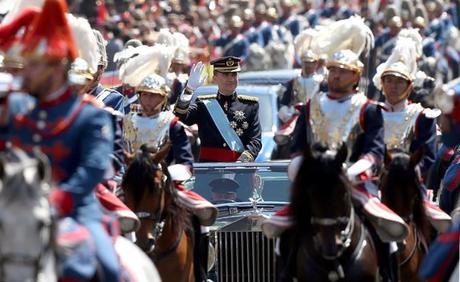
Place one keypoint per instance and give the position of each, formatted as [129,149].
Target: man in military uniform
[76,136]
[152,125]
[345,115]
[234,43]
[303,87]
[408,126]
[110,97]
[228,123]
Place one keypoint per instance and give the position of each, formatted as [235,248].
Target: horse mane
[141,174]
[321,169]
[400,173]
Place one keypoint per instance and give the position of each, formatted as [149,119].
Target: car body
[240,251]
[267,95]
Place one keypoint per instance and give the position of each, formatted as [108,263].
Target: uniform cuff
[246,156]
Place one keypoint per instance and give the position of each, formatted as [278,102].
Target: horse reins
[345,235]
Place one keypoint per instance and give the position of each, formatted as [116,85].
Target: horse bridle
[345,235]
[157,218]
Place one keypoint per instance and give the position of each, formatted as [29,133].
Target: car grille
[244,256]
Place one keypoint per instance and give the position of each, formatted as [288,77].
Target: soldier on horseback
[152,124]
[345,115]
[76,135]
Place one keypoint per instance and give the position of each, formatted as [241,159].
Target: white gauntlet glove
[356,169]
[197,77]
[195,80]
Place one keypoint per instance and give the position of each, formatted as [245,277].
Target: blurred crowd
[245,28]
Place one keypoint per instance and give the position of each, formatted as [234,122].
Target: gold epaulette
[248,98]
[207,97]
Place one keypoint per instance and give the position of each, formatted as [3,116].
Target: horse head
[149,193]
[321,200]
[400,185]
[25,218]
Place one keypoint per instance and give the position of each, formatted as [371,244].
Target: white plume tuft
[85,40]
[404,52]
[351,33]
[414,35]
[18,5]
[151,59]
[303,41]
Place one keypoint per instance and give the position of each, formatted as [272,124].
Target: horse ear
[416,157]
[342,154]
[162,153]
[387,158]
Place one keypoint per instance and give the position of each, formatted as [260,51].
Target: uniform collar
[341,99]
[225,98]
[59,96]
[397,107]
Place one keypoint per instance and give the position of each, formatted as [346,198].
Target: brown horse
[402,192]
[328,240]
[165,234]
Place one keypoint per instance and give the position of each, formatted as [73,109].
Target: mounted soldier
[76,135]
[228,123]
[345,115]
[152,123]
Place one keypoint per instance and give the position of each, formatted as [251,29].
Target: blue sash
[223,125]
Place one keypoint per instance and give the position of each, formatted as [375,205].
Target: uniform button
[225,144]
[36,138]
[41,124]
[42,115]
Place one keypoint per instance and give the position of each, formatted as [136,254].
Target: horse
[327,241]
[165,234]
[26,225]
[401,191]
[29,245]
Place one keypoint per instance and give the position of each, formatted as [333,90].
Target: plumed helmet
[154,84]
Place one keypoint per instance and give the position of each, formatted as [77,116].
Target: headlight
[212,256]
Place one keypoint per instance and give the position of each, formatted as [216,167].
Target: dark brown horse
[165,232]
[402,192]
[328,241]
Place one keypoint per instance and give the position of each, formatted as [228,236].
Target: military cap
[227,64]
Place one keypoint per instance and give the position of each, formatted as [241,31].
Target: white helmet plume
[352,34]
[150,59]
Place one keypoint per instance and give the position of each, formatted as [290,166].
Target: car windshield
[230,183]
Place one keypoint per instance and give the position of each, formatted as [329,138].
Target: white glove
[359,167]
[285,113]
[197,77]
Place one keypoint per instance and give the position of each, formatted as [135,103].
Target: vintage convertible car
[245,194]
[268,95]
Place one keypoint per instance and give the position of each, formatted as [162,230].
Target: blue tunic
[77,137]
